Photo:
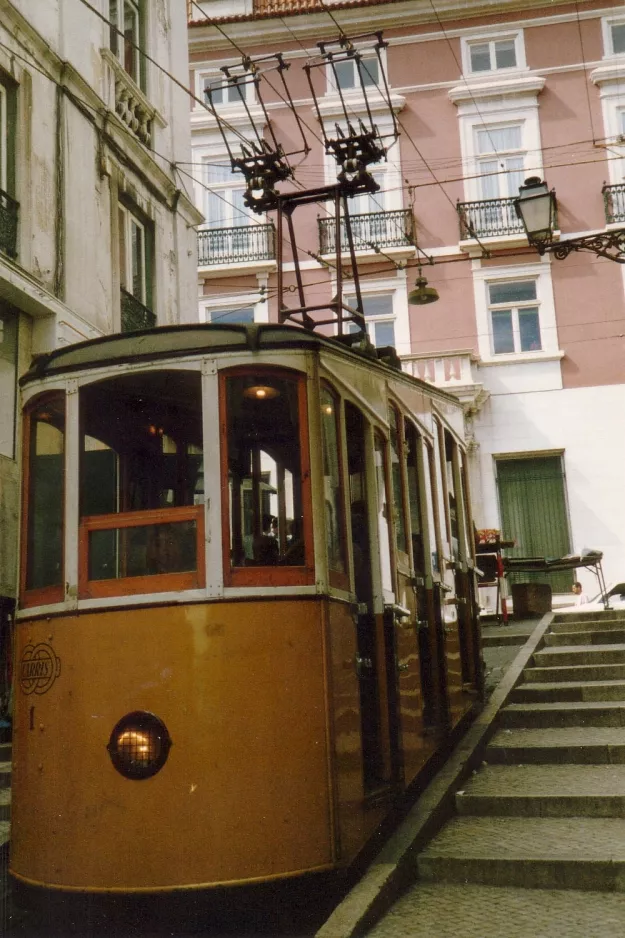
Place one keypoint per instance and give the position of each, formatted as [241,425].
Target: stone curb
[395,866]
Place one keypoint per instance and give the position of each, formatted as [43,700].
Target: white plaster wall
[587,424]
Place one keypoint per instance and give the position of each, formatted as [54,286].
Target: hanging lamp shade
[422,293]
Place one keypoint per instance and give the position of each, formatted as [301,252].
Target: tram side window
[430,494]
[414,497]
[266,518]
[141,466]
[333,499]
[397,486]
[452,495]
[384,528]
[45,494]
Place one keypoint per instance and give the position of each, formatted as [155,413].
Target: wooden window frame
[149,583]
[272,576]
[45,595]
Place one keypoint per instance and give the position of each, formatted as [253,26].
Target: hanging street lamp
[536,206]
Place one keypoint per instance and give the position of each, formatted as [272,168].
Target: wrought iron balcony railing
[8,224]
[488,218]
[614,202]
[239,245]
[135,316]
[370,231]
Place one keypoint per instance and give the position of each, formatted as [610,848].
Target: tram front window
[264,468]
[141,475]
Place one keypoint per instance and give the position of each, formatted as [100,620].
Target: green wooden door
[532,502]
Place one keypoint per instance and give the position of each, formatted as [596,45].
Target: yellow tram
[247,616]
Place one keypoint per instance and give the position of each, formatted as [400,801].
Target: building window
[126,17]
[514,314]
[224,92]
[493,53]
[224,206]
[238,314]
[346,74]
[8,205]
[500,160]
[135,271]
[614,37]
[489,56]
[379,318]
[8,379]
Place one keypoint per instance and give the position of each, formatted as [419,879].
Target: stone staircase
[537,846]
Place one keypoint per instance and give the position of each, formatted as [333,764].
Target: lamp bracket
[608,244]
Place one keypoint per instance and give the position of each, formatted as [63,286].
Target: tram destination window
[141,480]
[265,523]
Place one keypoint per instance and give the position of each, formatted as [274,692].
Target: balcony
[251,246]
[451,371]
[135,316]
[8,224]
[614,202]
[126,99]
[488,218]
[373,232]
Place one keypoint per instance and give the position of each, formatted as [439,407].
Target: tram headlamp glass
[139,745]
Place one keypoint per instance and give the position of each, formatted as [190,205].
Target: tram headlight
[139,745]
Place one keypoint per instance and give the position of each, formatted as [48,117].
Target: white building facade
[96,224]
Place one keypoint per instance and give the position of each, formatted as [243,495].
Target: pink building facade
[534,347]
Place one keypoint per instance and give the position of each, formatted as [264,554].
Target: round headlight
[139,745]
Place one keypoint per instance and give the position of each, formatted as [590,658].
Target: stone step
[5,804]
[504,638]
[587,625]
[576,713]
[433,910]
[596,637]
[580,654]
[581,745]
[568,691]
[5,774]
[545,791]
[580,672]
[548,853]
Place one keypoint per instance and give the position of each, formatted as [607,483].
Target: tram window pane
[264,471]
[397,487]
[429,497]
[451,491]
[142,443]
[332,481]
[384,530]
[144,550]
[414,496]
[46,478]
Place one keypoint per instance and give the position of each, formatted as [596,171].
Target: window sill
[496,85]
[331,106]
[371,256]
[521,358]
[212,271]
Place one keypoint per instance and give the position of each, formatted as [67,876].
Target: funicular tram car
[246,618]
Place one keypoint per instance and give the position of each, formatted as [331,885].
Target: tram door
[370,659]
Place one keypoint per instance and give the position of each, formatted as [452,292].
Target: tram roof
[167,342]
